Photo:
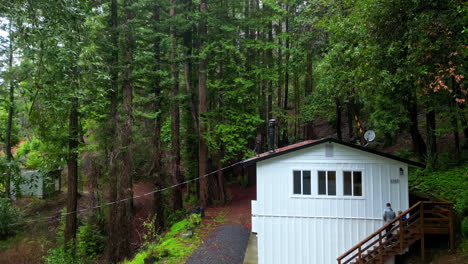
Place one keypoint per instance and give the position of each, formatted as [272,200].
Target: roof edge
[329,140]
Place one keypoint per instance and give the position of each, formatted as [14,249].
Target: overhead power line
[126,199]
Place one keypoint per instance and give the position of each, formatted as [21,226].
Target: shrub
[59,255]
[194,221]
[173,217]
[451,185]
[91,242]
[464,227]
[9,217]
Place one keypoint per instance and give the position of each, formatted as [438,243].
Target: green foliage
[190,198]
[194,221]
[91,242]
[451,185]
[172,248]
[60,255]
[11,170]
[464,227]
[9,218]
[173,217]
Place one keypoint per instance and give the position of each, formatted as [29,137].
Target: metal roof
[310,143]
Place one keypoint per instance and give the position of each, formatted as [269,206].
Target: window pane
[297,182]
[347,183]
[306,182]
[357,183]
[321,183]
[331,183]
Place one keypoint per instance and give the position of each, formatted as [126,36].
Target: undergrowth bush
[91,242]
[9,218]
[171,248]
[451,184]
[59,255]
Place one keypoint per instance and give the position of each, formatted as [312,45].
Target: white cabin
[317,199]
[35,183]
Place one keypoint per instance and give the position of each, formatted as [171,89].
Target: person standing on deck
[388,215]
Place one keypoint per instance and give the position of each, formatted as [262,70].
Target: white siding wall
[316,230]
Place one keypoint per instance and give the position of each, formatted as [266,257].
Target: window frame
[327,189]
[314,169]
[352,183]
[301,170]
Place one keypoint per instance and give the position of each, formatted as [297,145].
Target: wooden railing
[407,228]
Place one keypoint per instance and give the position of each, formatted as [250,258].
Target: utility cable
[126,199]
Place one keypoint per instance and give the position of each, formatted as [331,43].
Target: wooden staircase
[407,228]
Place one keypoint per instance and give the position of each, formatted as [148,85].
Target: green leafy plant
[91,242]
[194,221]
[60,255]
[451,185]
[9,218]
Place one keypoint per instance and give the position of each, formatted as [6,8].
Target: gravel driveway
[226,246]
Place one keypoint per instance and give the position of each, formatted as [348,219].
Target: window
[352,183]
[327,182]
[302,182]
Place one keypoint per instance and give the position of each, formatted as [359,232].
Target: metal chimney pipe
[271,134]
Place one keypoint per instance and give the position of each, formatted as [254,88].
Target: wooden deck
[408,227]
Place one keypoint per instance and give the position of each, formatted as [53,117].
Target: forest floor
[225,229]
[32,243]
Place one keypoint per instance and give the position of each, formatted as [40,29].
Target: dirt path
[226,229]
[141,209]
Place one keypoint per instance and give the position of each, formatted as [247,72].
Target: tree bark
[418,143]
[202,108]
[11,110]
[454,121]
[338,119]
[350,119]
[124,208]
[114,183]
[284,139]
[156,170]
[175,118]
[430,131]
[72,164]
[220,178]
[309,87]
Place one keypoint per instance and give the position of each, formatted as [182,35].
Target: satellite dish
[369,136]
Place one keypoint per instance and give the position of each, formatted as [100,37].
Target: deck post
[402,233]
[381,248]
[360,255]
[423,244]
[452,239]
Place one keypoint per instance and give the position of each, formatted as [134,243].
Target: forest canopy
[170,90]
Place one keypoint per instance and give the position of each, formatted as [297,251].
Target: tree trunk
[114,183]
[309,125]
[11,110]
[284,139]
[124,214]
[175,118]
[296,102]
[220,178]
[72,164]
[338,119]
[280,66]
[156,171]
[350,119]
[202,108]
[418,143]
[430,130]
[454,121]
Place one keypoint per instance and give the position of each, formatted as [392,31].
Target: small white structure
[35,183]
[317,199]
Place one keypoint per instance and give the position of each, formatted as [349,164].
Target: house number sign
[394,180]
